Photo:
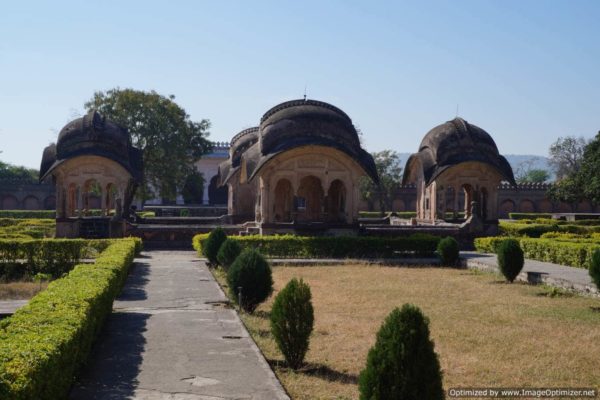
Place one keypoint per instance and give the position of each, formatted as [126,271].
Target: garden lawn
[20,290]
[486,332]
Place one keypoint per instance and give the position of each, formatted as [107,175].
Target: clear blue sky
[525,71]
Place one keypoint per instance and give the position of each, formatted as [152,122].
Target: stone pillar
[103,206]
[79,201]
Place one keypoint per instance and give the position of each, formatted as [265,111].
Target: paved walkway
[577,279]
[171,337]
[8,307]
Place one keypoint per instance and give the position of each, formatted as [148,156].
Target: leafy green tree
[583,182]
[193,188]
[18,174]
[566,155]
[534,175]
[390,179]
[171,142]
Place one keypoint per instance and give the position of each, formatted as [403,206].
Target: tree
[402,364]
[533,175]
[17,174]
[388,167]
[193,188]
[583,182]
[171,142]
[566,155]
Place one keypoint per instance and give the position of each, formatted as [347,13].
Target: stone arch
[91,195]
[584,206]
[565,207]
[50,202]
[450,200]
[31,203]
[526,206]
[507,206]
[484,199]
[216,194]
[72,200]
[545,206]
[398,205]
[467,189]
[10,202]
[283,201]
[110,197]
[309,202]
[336,201]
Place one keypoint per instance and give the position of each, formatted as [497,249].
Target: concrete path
[171,336]
[571,278]
[8,307]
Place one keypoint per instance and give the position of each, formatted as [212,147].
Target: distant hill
[515,160]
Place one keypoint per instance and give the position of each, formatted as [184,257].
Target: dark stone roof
[239,144]
[455,142]
[96,135]
[299,123]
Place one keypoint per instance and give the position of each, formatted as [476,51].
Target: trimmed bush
[402,364]
[252,273]
[27,214]
[45,342]
[292,246]
[210,248]
[510,259]
[595,268]
[228,252]
[292,320]
[448,251]
[519,216]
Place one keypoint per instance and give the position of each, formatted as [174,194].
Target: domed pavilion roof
[299,123]
[455,142]
[96,135]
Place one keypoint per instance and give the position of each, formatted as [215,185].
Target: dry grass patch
[20,290]
[486,332]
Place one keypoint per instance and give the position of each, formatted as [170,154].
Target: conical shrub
[510,258]
[402,364]
[252,273]
[212,244]
[448,251]
[228,252]
[292,320]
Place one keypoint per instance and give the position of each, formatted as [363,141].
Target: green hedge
[45,342]
[528,215]
[28,214]
[290,246]
[571,253]
[536,230]
[34,228]
[20,257]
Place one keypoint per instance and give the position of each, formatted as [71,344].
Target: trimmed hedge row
[517,216]
[35,228]
[19,257]
[536,230]
[28,214]
[45,342]
[574,254]
[290,246]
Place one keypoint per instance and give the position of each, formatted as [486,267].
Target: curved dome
[300,123]
[299,120]
[241,142]
[96,135]
[454,142]
[92,131]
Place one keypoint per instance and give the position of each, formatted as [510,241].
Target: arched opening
[584,207]
[50,203]
[31,203]
[565,208]
[468,199]
[309,202]
[110,197]
[92,193]
[545,206]
[484,199]
[217,195]
[72,205]
[284,201]
[450,200]
[336,201]
[10,202]
[526,206]
[506,207]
